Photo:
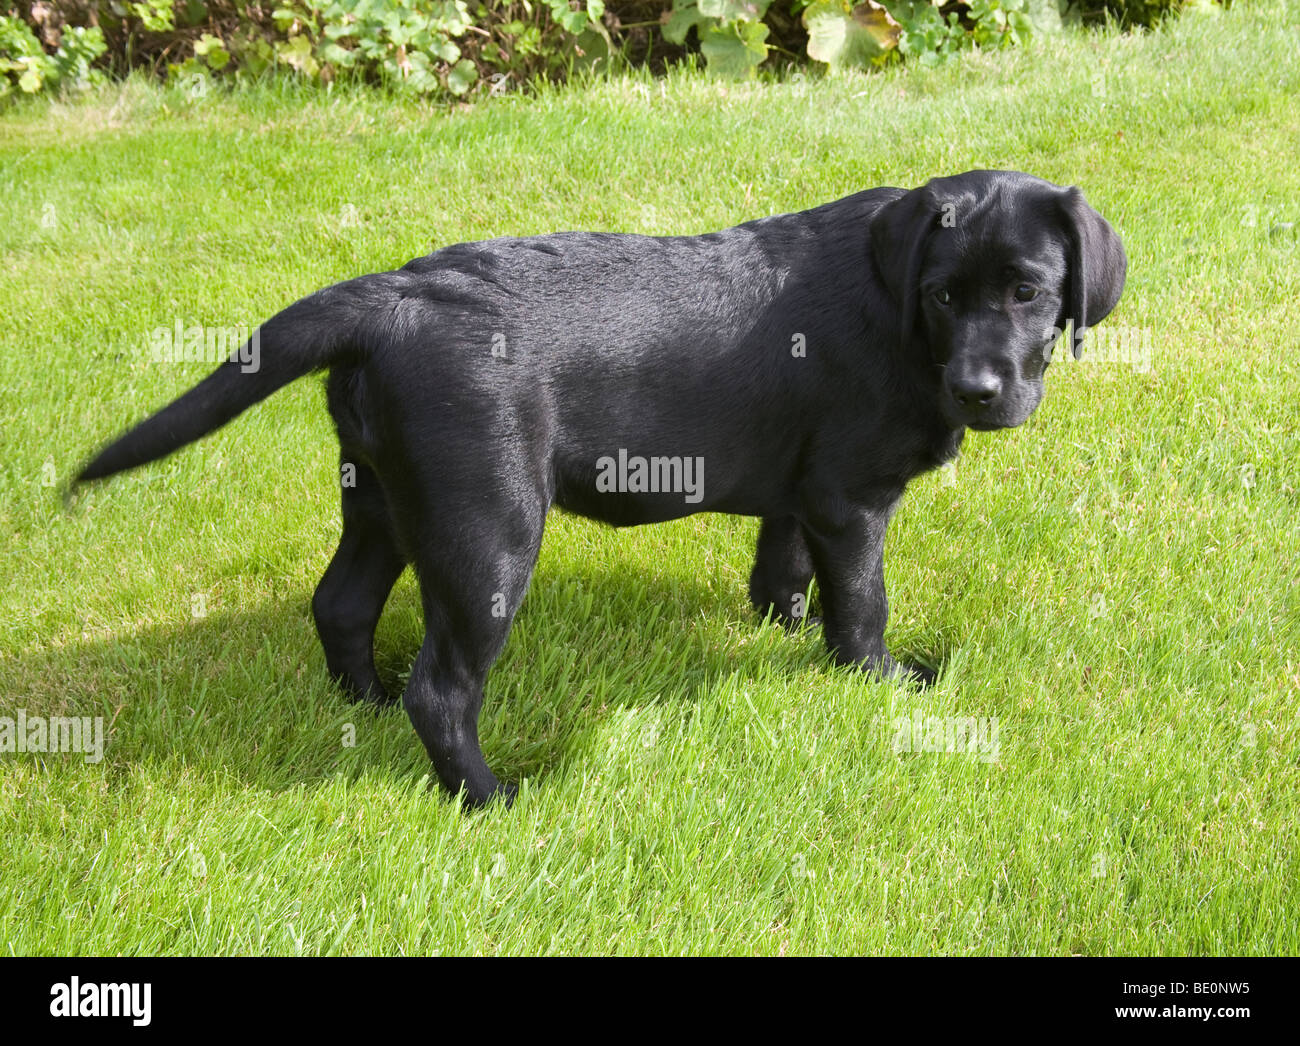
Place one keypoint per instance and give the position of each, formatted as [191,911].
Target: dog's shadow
[247,695]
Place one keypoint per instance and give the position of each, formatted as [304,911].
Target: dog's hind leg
[474,569]
[352,593]
[783,569]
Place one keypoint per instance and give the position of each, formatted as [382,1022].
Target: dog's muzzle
[982,400]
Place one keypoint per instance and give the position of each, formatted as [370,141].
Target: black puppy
[814,362]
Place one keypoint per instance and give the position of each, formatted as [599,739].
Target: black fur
[813,362]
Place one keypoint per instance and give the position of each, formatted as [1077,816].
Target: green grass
[1116,581]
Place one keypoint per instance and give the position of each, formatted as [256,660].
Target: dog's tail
[322,329]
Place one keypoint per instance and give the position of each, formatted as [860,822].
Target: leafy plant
[858,34]
[540,39]
[927,36]
[1000,22]
[732,34]
[157,16]
[842,33]
[451,48]
[406,43]
[25,65]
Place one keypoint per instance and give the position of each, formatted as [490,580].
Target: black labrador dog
[801,368]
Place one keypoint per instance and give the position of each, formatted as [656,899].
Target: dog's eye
[941,296]
[1026,293]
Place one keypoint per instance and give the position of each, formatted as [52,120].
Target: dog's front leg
[848,557]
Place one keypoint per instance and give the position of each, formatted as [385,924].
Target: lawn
[1113,585]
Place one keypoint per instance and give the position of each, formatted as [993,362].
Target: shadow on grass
[247,695]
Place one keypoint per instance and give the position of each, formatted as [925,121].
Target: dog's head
[988,268]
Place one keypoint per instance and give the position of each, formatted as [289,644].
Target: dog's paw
[505,793]
[921,675]
[885,667]
[374,695]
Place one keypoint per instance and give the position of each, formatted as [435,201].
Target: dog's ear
[1097,267]
[898,233]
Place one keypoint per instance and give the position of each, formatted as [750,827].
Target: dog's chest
[901,450]
[937,447]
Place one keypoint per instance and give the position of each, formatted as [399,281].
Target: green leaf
[30,81]
[680,22]
[735,50]
[339,56]
[211,49]
[254,53]
[593,48]
[155,15]
[419,74]
[462,76]
[845,38]
[296,53]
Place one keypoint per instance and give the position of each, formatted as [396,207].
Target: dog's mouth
[986,421]
[980,421]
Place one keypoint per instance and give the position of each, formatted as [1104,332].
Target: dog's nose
[977,391]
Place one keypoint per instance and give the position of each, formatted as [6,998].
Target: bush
[452,47]
[26,66]
[422,46]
